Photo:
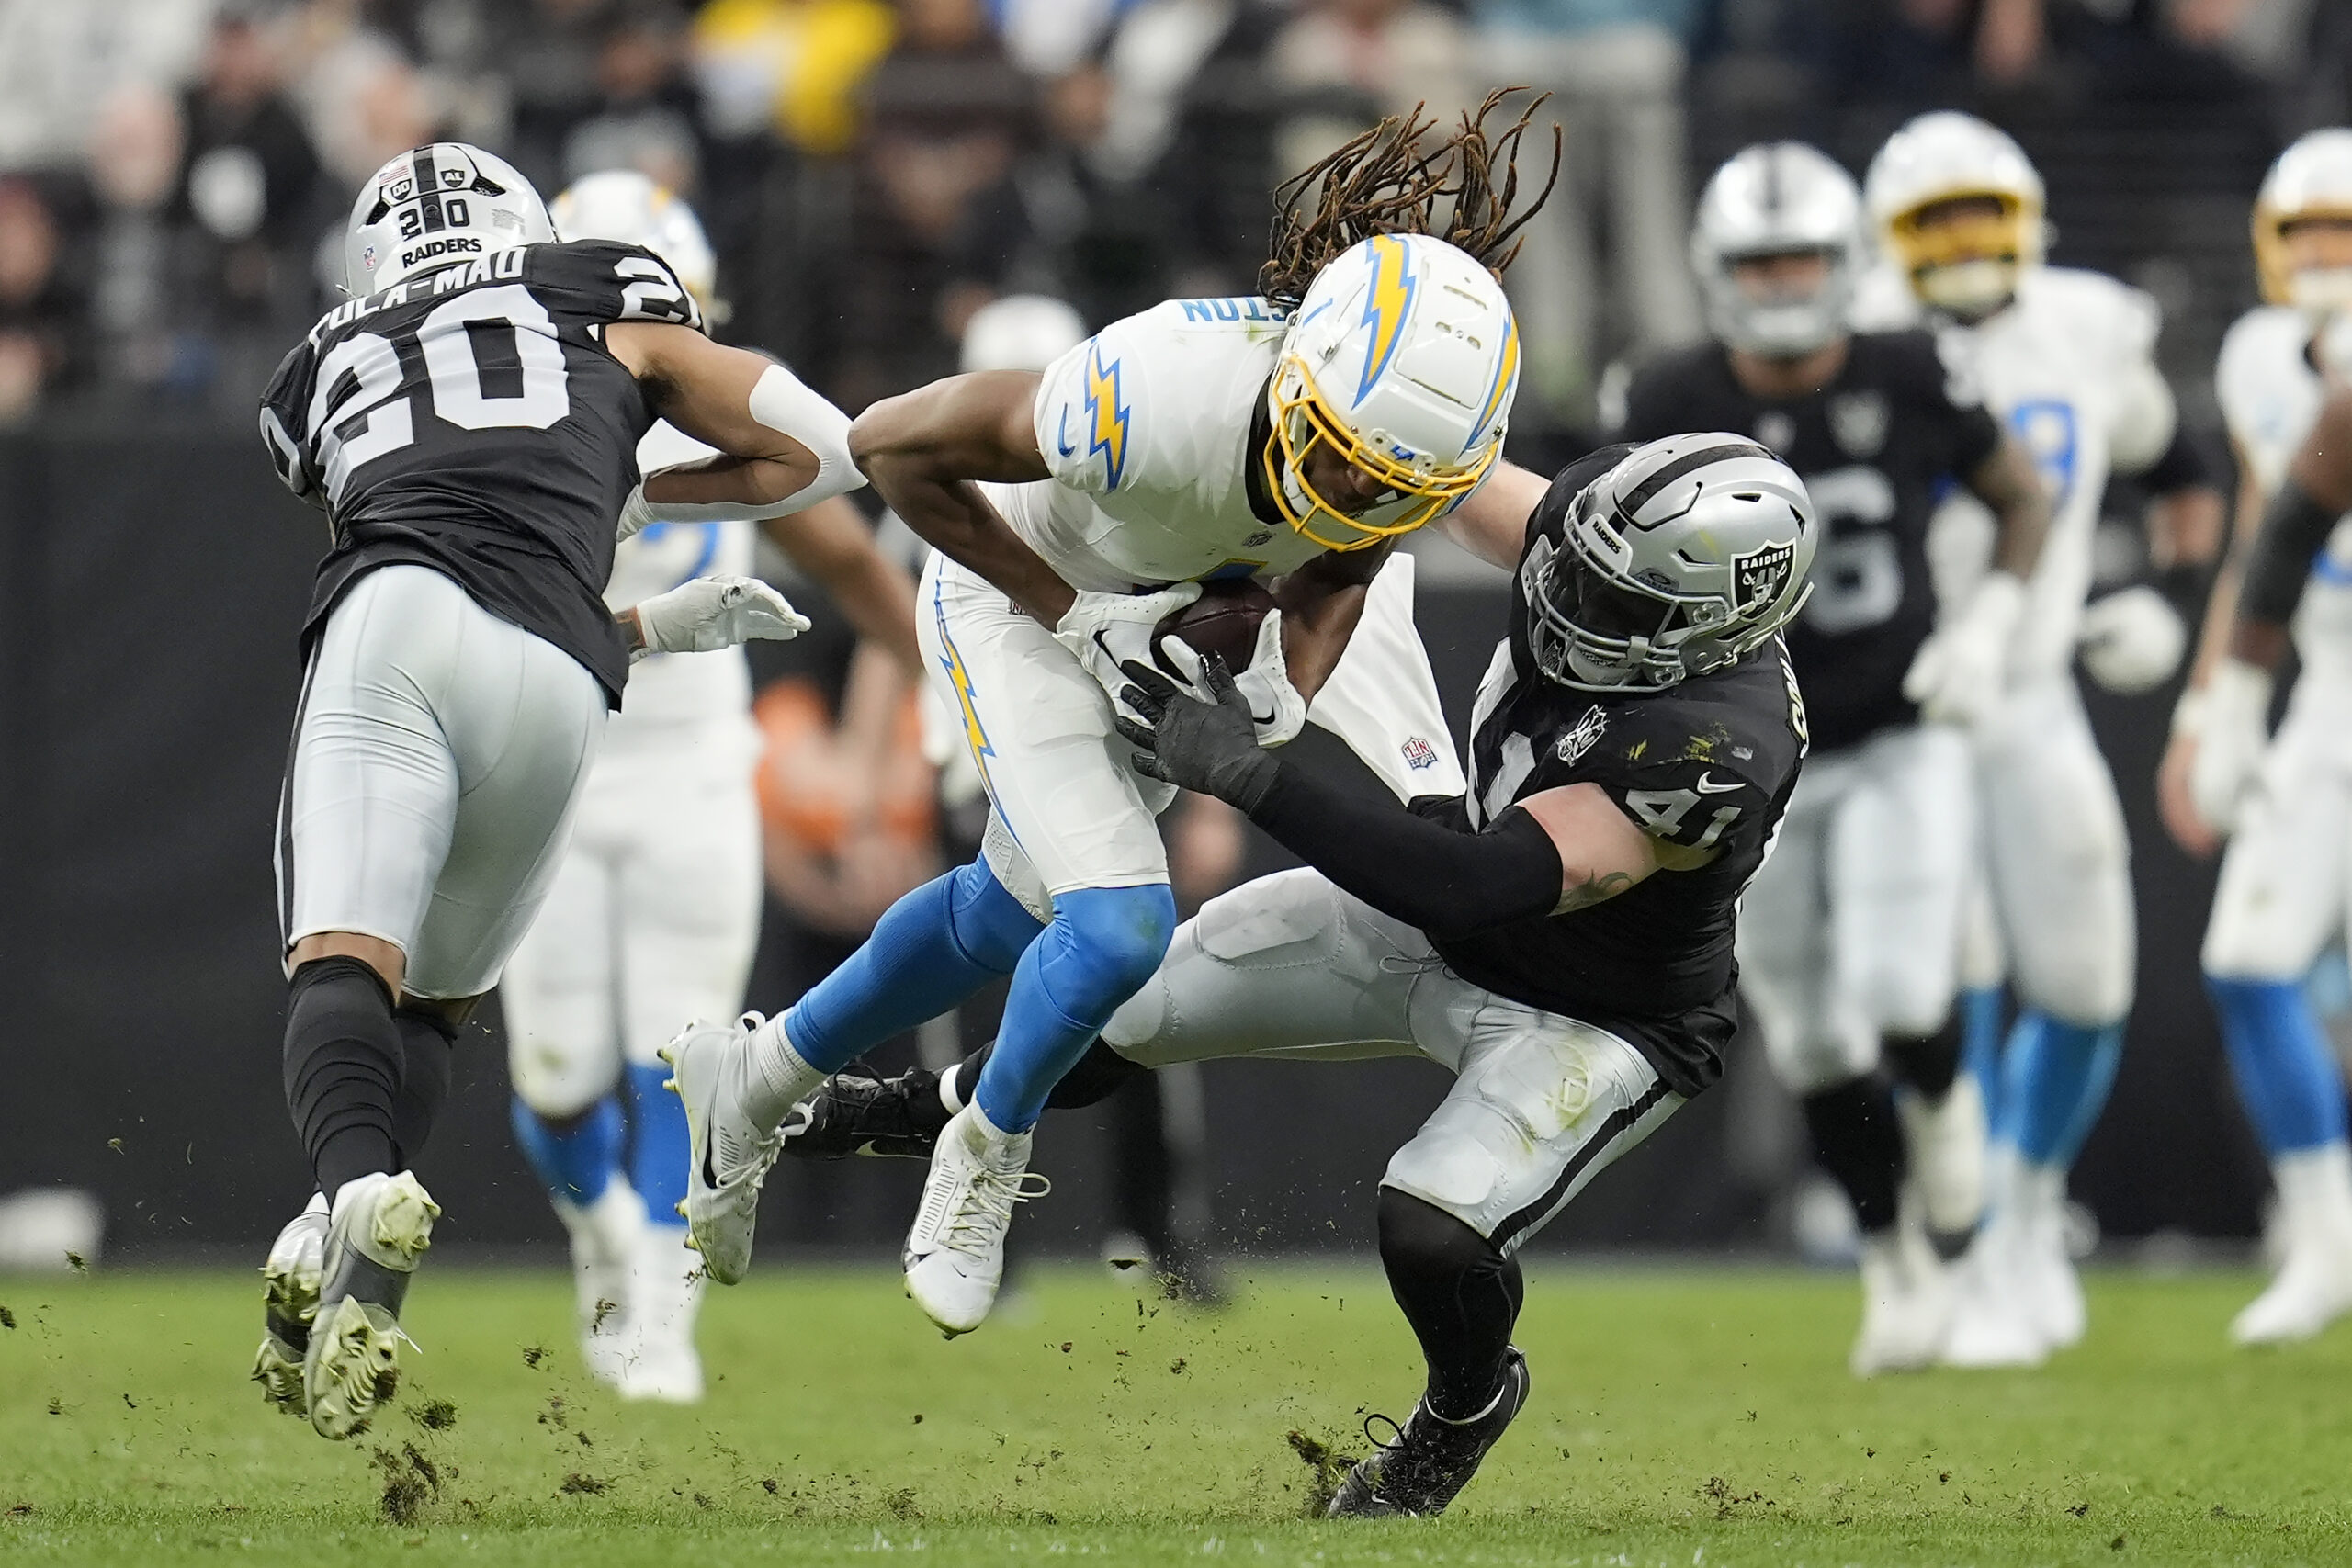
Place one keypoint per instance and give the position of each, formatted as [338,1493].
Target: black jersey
[470,420]
[1875,449]
[1707,764]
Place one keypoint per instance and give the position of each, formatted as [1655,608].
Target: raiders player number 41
[469,421]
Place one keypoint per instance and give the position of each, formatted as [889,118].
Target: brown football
[1224,621]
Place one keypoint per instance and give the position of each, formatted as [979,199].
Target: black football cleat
[1431,1460]
[858,1111]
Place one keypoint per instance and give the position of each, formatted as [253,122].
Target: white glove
[1105,629]
[1275,705]
[636,514]
[703,615]
[2233,726]
[1956,677]
[2132,641]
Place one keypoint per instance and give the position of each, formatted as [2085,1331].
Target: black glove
[1210,746]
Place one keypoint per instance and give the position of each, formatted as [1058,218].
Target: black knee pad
[344,1065]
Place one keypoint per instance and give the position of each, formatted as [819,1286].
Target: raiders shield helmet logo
[1758,576]
[1857,421]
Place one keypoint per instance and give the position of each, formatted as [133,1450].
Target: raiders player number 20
[469,421]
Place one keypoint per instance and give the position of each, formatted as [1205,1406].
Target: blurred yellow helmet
[1965,265]
[2311,179]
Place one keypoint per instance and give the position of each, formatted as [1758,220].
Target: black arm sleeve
[2295,528]
[1448,883]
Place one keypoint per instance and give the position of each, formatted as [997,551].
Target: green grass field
[1695,1418]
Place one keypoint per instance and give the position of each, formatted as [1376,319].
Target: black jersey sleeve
[604,280]
[1938,376]
[1688,774]
[285,419]
[1546,522]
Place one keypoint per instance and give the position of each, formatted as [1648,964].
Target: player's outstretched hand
[1106,630]
[706,614]
[1212,746]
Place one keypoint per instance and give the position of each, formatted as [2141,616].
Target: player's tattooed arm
[1603,851]
[2007,482]
[927,450]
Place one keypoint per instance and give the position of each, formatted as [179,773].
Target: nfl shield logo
[1858,420]
[1419,754]
[1758,576]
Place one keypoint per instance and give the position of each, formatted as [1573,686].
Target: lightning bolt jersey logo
[975,736]
[1106,417]
[1386,306]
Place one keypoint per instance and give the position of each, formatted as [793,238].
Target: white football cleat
[1946,1141]
[955,1253]
[2313,1288]
[712,1070]
[1906,1301]
[665,1291]
[605,1240]
[381,1225]
[2005,1315]
[290,1293]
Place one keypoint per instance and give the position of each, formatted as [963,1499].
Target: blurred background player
[654,912]
[2285,802]
[1200,438]
[2063,358]
[1849,947]
[469,421]
[1157,1149]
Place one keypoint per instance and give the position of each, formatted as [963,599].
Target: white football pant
[1852,931]
[437,752]
[1068,808]
[652,919]
[2284,875]
[2057,863]
[1290,967]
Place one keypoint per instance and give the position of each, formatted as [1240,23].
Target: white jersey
[1146,428]
[670,689]
[2270,395]
[2060,365]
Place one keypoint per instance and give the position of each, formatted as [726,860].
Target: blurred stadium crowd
[171,171]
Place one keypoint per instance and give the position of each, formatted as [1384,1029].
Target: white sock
[947,1095]
[2315,1190]
[778,1075]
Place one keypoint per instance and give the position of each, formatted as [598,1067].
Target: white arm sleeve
[783,402]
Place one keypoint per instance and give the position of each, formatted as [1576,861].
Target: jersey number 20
[446,339]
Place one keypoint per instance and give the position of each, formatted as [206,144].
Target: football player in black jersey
[1851,947]
[469,421]
[1561,937]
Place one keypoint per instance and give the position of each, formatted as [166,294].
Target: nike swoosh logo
[1061,435]
[1707,786]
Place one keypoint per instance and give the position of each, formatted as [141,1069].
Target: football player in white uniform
[2285,802]
[2063,358]
[1294,437]
[655,910]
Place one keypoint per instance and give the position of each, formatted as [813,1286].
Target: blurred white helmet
[1021,332]
[1403,358]
[432,205]
[2311,179]
[1967,264]
[621,203]
[1781,199]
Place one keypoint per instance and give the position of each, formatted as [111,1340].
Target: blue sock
[930,950]
[1103,944]
[577,1162]
[1980,1045]
[2286,1074]
[2054,1084]
[656,1142]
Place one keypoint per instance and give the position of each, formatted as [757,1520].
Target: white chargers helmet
[1688,556]
[1967,266]
[2312,180]
[1403,358]
[1779,199]
[621,203]
[1021,332]
[432,205]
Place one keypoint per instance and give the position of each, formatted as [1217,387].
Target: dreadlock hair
[1391,180]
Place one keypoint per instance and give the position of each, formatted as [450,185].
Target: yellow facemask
[1301,419]
[1967,264]
[2274,261]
